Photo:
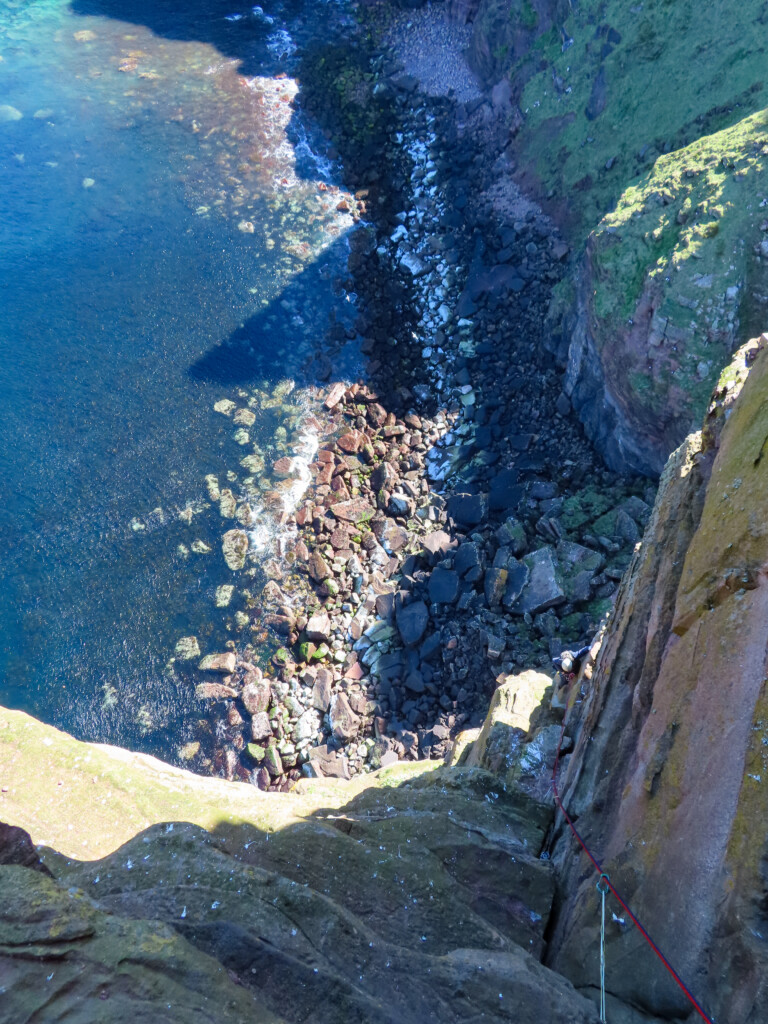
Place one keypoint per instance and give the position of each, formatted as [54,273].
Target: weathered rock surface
[234,544]
[224,663]
[669,777]
[655,309]
[418,896]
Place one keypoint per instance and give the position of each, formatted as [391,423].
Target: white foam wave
[269,531]
[305,452]
[321,165]
[280,44]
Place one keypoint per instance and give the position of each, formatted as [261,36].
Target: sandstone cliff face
[669,777]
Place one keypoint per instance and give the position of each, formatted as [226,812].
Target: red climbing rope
[612,888]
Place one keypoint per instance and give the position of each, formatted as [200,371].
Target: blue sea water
[164,245]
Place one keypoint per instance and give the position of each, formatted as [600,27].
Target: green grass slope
[617,84]
[678,271]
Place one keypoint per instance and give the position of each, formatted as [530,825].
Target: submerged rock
[224,663]
[227,504]
[245,418]
[225,406]
[212,487]
[214,691]
[235,544]
[9,113]
[253,463]
[187,648]
[224,595]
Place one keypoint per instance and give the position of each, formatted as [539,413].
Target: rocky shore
[458,527]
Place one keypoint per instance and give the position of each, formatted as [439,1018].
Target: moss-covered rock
[672,279]
[410,895]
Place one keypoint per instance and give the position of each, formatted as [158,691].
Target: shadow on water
[95,608]
[336,95]
[287,338]
[246,39]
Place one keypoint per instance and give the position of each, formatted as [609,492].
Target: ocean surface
[169,239]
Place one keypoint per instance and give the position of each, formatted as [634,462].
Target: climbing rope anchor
[603,888]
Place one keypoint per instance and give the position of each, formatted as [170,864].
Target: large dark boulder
[412,622]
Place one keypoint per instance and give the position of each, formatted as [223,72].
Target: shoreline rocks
[457,526]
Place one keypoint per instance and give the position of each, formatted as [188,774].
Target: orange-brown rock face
[669,778]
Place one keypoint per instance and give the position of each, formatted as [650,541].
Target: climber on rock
[568,664]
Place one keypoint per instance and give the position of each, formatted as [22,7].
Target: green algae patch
[584,507]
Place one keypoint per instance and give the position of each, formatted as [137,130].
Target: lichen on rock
[669,773]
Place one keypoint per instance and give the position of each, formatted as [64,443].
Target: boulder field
[450,890]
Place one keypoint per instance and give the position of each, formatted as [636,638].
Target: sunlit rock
[245,418]
[224,663]
[234,544]
[227,504]
[212,486]
[187,648]
[253,463]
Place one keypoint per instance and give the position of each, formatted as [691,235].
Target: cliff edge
[414,895]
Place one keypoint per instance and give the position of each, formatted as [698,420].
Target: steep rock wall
[669,778]
[641,128]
